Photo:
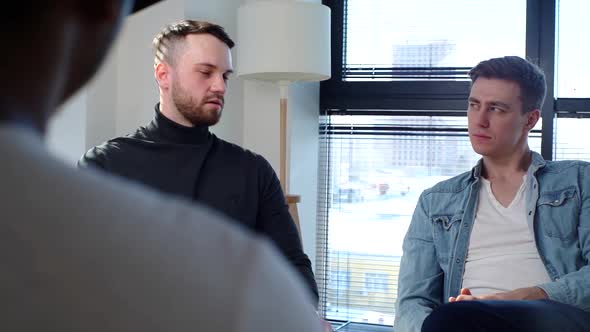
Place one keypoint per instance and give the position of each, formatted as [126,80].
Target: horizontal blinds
[372,171]
[374,73]
[569,141]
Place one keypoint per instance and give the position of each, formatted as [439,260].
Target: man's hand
[528,293]
[464,295]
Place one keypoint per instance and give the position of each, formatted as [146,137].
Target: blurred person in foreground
[86,252]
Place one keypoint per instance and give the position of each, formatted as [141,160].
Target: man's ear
[532,118]
[162,75]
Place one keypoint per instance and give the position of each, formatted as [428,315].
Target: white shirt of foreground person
[83,252]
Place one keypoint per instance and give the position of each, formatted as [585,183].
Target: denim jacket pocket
[447,221]
[446,228]
[557,213]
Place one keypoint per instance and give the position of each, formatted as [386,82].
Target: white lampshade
[283,41]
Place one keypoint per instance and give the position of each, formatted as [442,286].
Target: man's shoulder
[234,151]
[111,146]
[455,184]
[116,146]
[559,166]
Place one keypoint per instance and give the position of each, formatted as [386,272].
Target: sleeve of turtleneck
[277,223]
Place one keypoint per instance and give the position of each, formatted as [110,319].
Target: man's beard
[191,110]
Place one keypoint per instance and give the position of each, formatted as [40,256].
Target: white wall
[137,91]
[261,120]
[304,121]
[101,103]
[66,134]
[123,94]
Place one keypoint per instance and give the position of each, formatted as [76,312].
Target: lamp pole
[284,153]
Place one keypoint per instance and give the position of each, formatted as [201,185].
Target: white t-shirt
[502,255]
[85,252]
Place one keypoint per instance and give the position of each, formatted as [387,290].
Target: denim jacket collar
[537,162]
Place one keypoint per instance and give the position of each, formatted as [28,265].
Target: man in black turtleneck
[177,154]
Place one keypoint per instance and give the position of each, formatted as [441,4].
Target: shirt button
[458,260]
[556,278]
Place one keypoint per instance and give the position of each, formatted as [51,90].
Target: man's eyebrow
[494,103]
[212,66]
[501,104]
[206,64]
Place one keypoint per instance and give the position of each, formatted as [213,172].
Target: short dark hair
[527,75]
[167,41]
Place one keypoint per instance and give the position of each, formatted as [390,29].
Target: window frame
[351,96]
[436,98]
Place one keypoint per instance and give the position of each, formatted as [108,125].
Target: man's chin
[479,150]
[214,117]
[203,117]
[210,120]
[213,122]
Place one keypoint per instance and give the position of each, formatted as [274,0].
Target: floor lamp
[284,42]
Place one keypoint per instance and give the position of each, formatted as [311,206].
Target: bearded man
[177,154]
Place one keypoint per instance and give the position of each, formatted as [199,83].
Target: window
[569,140]
[392,122]
[573,49]
[340,280]
[376,282]
[398,39]
[386,161]
[572,102]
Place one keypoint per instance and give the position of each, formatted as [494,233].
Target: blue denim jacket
[435,247]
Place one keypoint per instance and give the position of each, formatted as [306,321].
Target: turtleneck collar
[167,131]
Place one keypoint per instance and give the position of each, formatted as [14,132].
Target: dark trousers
[484,316]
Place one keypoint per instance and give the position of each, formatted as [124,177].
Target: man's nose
[219,85]
[483,118]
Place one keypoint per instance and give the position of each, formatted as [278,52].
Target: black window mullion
[338,21]
[540,49]
[435,95]
[572,107]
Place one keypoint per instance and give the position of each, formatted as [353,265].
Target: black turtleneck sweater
[194,163]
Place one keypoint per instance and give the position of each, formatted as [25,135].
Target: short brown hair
[528,76]
[166,43]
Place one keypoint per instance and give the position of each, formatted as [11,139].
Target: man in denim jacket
[504,247]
